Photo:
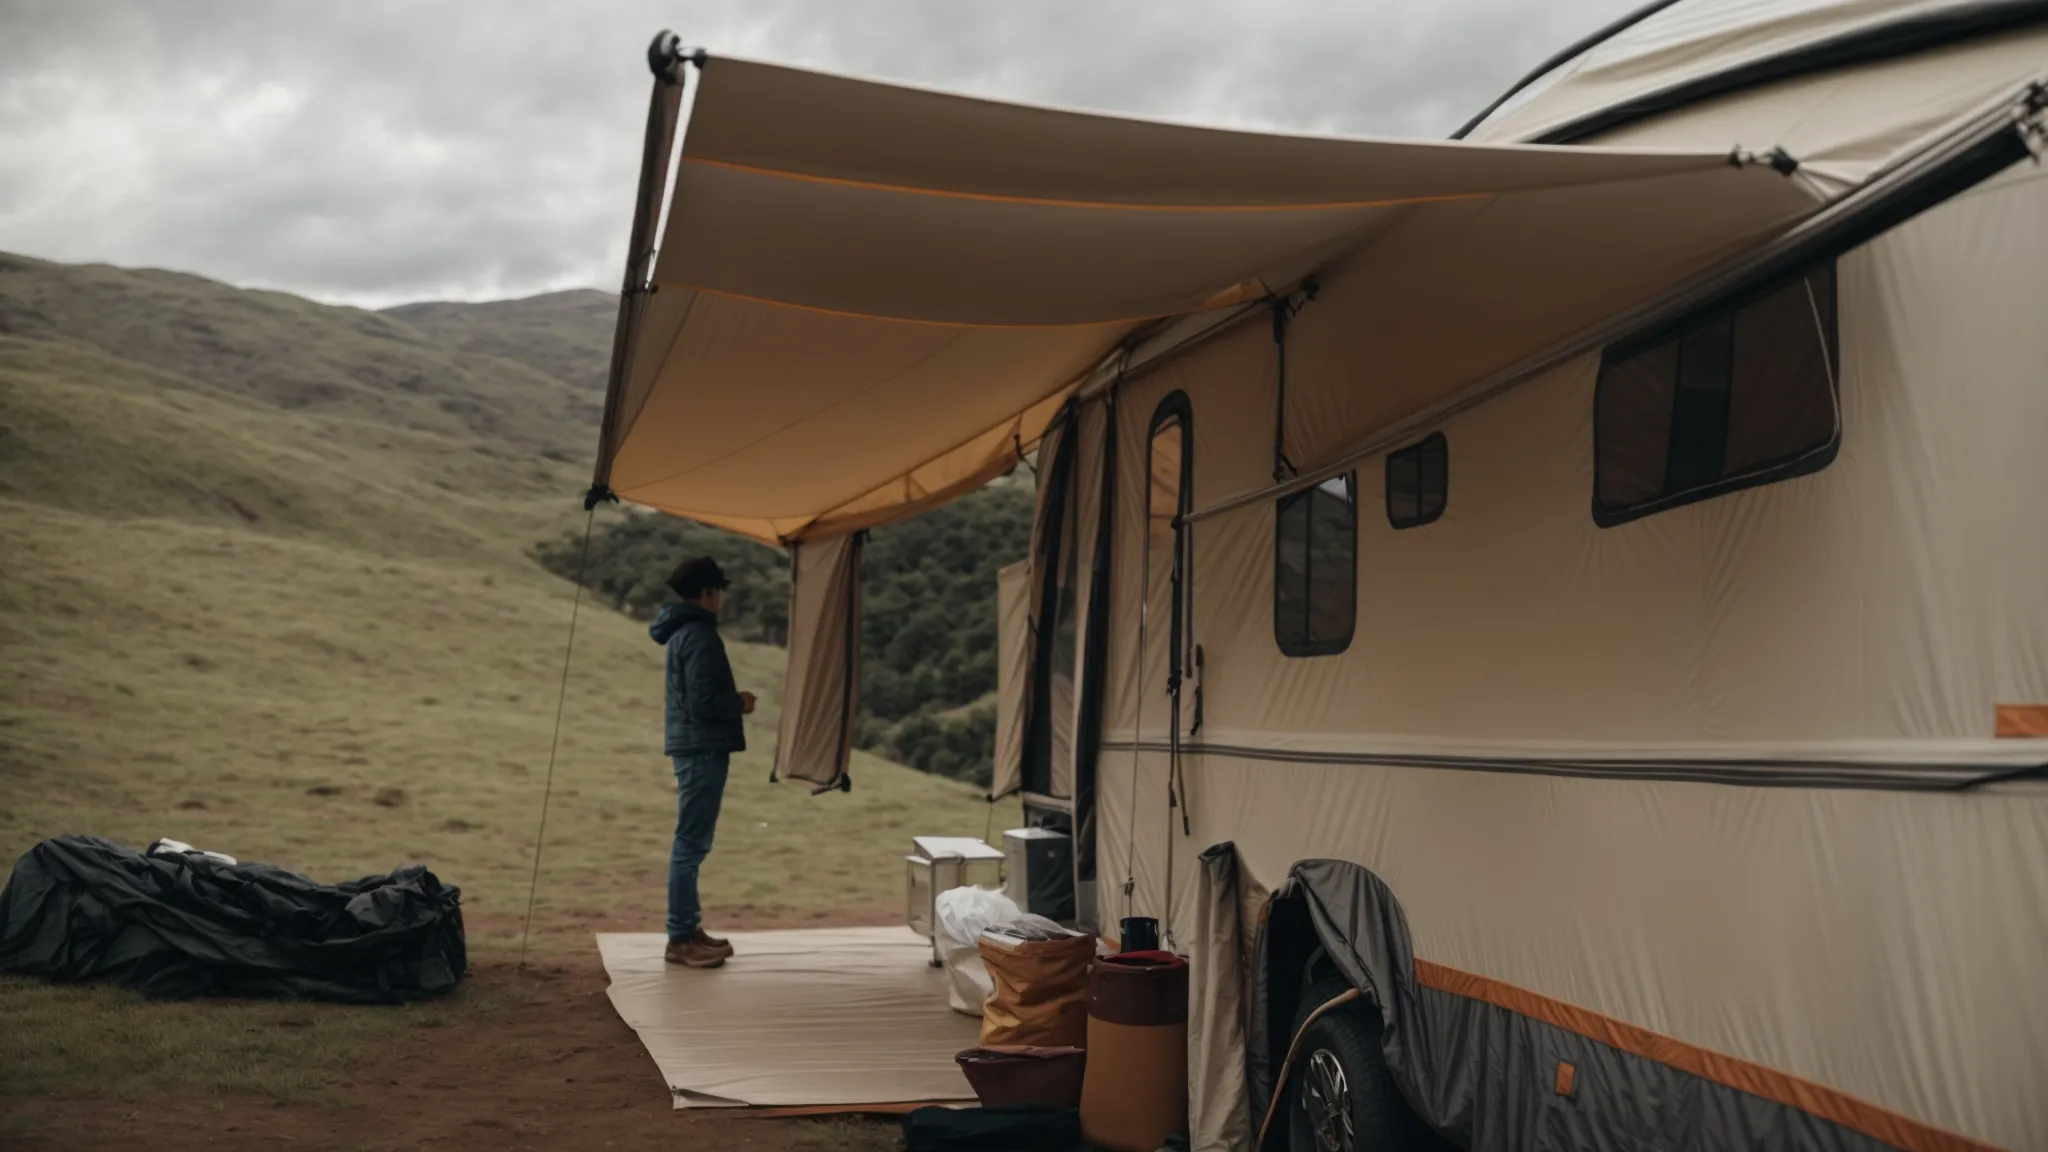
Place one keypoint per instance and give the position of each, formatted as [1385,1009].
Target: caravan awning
[871,298]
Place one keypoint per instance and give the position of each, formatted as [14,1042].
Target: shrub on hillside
[631,558]
[960,744]
[928,622]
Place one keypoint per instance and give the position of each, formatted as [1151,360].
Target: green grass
[237,619]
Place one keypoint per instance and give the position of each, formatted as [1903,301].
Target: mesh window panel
[1315,568]
[1632,426]
[1781,400]
[1418,482]
[1738,397]
[1332,563]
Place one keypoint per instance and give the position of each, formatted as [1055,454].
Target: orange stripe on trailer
[1828,1104]
[2022,720]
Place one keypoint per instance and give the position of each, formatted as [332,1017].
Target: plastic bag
[169,847]
[965,913]
[1025,927]
[960,916]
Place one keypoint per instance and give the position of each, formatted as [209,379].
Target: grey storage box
[1039,863]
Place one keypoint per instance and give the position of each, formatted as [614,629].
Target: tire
[1340,1095]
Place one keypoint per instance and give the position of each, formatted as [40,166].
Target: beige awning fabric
[821,689]
[1013,665]
[870,298]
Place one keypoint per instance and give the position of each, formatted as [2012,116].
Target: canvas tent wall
[1708,783]
[1658,772]
[1013,664]
[1650,786]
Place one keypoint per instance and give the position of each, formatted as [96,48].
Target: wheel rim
[1326,1098]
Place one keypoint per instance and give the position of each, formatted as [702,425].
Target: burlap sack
[1041,991]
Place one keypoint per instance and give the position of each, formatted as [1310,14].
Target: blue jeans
[700,788]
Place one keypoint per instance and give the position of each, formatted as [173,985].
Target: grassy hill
[567,335]
[267,590]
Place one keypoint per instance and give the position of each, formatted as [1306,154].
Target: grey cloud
[374,151]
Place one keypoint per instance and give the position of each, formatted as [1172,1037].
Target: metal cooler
[939,864]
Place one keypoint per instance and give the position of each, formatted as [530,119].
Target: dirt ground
[559,1071]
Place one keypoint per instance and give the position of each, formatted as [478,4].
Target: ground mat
[183,923]
[819,1017]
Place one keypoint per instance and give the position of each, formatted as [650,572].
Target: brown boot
[722,947]
[691,954]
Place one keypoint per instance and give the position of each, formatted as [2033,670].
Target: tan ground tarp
[821,689]
[898,287]
[796,1017]
[1013,665]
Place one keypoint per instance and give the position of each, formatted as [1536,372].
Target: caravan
[1553,623]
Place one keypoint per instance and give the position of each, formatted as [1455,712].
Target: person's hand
[746,703]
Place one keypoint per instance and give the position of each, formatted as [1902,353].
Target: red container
[1007,1074]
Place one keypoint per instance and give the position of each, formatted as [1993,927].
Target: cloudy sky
[373,152]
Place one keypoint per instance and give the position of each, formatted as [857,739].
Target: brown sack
[1041,991]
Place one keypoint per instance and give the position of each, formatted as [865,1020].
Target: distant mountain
[568,335]
[142,393]
[526,387]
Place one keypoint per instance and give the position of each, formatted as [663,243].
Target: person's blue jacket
[704,706]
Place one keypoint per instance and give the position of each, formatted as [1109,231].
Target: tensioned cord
[555,744]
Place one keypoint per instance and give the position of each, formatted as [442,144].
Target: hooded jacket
[704,707]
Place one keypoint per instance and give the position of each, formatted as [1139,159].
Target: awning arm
[666,58]
[1979,146]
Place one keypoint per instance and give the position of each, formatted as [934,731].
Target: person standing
[702,731]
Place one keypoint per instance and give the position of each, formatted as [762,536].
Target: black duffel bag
[1012,1128]
[183,924]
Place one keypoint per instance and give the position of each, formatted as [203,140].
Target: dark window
[1315,570]
[1735,397]
[1418,482]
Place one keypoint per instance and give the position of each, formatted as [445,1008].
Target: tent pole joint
[599,494]
[1780,161]
[666,57]
[2032,131]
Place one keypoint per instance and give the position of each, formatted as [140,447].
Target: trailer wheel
[1342,1097]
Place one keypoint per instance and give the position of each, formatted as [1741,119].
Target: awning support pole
[666,59]
[1285,309]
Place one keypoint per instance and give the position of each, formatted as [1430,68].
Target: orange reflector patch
[2022,720]
[1566,1076]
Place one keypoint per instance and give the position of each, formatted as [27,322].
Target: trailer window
[1732,398]
[1418,482]
[1315,570]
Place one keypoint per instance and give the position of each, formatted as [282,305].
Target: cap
[697,575]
